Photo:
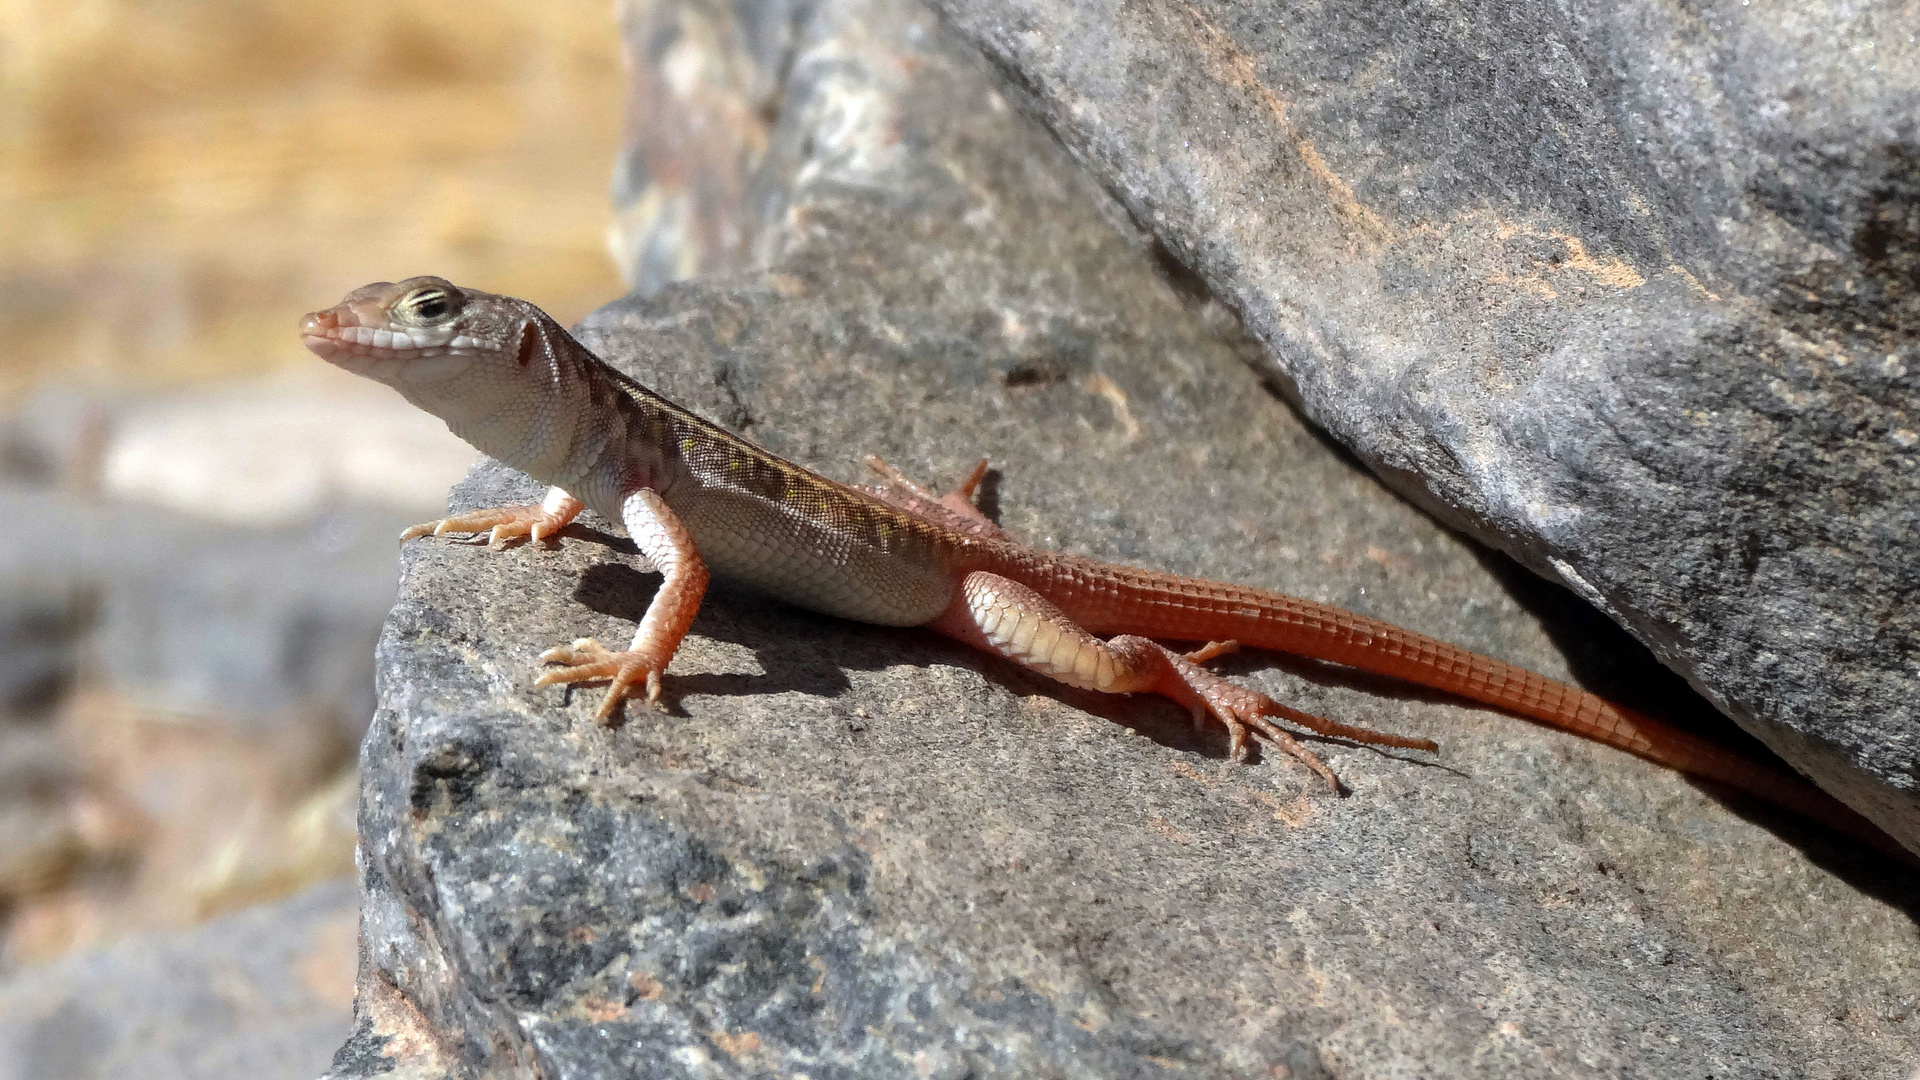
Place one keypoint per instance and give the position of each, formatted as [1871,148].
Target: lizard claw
[588,660]
[1245,712]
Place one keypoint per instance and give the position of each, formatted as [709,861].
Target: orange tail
[1120,600]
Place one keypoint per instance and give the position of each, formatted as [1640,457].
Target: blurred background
[202,516]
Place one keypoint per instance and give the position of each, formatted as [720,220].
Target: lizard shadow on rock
[619,590]
[809,653]
[787,641]
[777,635]
[1150,715]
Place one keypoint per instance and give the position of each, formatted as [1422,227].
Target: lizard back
[785,530]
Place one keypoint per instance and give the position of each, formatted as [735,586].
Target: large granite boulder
[1628,290]
[850,851]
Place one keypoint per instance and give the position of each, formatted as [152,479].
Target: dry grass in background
[181,179]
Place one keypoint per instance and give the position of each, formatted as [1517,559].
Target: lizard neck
[555,413]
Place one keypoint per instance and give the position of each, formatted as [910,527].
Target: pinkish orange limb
[1009,619]
[664,540]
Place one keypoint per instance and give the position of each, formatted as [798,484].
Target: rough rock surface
[851,851]
[262,995]
[1628,290]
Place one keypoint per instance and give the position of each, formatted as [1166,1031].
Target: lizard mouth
[326,334]
[412,362]
[379,352]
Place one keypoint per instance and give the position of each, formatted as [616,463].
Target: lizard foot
[1246,712]
[504,523]
[955,509]
[587,660]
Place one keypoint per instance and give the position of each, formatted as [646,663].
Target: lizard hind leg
[1011,620]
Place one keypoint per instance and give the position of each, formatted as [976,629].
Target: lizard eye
[427,305]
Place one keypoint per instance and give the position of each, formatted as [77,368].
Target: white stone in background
[280,449]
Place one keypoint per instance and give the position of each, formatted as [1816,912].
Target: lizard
[699,501]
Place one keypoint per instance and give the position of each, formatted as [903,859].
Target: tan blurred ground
[181,179]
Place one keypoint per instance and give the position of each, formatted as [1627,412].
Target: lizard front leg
[503,523]
[666,543]
[1011,620]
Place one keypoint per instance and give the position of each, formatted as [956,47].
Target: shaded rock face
[1629,291]
[853,851]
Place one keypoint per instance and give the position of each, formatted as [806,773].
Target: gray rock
[250,625]
[256,996]
[851,851]
[221,550]
[1630,291]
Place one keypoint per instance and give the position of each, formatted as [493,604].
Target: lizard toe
[581,651]
[627,673]
[600,669]
[1213,649]
[1280,740]
[618,690]
[501,523]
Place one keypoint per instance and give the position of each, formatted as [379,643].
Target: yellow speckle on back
[686,445]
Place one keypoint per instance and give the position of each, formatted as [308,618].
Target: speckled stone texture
[1626,289]
[851,851]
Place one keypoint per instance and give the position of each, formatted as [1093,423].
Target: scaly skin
[699,500]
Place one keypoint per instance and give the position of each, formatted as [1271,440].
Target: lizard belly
[803,562]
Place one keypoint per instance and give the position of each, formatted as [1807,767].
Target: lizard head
[421,330]
[503,375]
